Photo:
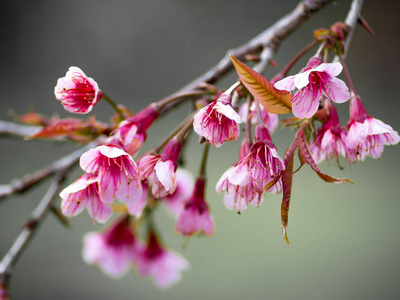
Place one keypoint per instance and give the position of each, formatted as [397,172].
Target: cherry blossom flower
[331,138]
[84,192]
[184,189]
[315,80]
[77,92]
[132,132]
[116,172]
[163,266]
[367,135]
[114,250]
[217,122]
[271,121]
[159,170]
[238,184]
[263,161]
[195,217]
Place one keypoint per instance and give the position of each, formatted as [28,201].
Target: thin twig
[18,130]
[28,230]
[29,180]
[351,21]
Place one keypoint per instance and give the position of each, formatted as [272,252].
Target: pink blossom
[116,172]
[271,121]
[331,137]
[113,250]
[264,164]
[367,135]
[195,217]
[163,266]
[77,92]
[312,82]
[159,170]
[184,189]
[84,192]
[217,122]
[132,132]
[238,184]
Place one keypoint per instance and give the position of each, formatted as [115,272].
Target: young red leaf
[306,155]
[75,129]
[273,100]
[287,191]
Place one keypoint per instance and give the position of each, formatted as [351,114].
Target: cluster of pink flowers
[365,135]
[117,249]
[111,173]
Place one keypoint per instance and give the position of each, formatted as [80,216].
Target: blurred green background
[345,238]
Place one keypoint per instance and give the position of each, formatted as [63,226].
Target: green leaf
[273,100]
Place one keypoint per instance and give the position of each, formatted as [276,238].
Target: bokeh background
[345,238]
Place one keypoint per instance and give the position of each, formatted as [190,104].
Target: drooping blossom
[184,189]
[159,169]
[132,132]
[315,80]
[195,216]
[331,138]
[77,92]
[271,121]
[163,266]
[264,164]
[367,135]
[116,172]
[218,122]
[114,250]
[84,192]
[238,184]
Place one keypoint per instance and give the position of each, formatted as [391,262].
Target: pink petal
[228,112]
[286,84]
[336,90]
[306,105]
[112,152]
[165,171]
[333,69]
[357,134]
[240,175]
[301,80]
[100,211]
[137,206]
[88,159]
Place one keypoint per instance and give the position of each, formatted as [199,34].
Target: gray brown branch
[28,230]
[23,184]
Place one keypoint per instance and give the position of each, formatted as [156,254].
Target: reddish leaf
[32,118]
[273,100]
[306,155]
[287,192]
[75,129]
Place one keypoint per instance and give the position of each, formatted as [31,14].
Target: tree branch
[29,180]
[271,38]
[28,230]
[19,130]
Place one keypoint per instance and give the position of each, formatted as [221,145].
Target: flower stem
[347,74]
[114,105]
[178,98]
[283,73]
[179,132]
[204,161]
